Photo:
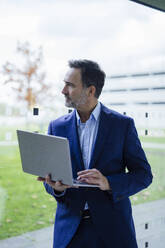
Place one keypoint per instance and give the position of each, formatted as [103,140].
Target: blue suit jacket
[117,148]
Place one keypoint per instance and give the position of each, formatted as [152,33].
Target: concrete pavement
[149,223]
[42,238]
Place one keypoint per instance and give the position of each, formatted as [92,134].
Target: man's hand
[58,186]
[94,176]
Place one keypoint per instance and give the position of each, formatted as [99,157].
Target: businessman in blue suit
[105,150]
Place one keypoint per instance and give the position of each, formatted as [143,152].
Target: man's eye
[70,85]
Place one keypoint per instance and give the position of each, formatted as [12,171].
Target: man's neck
[86,112]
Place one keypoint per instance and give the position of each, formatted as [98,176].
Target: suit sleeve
[60,197]
[139,174]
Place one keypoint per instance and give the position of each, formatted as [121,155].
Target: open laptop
[46,154]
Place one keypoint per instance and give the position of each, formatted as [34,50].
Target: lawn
[152,139]
[28,206]
[156,190]
[4,130]
[43,128]
[25,206]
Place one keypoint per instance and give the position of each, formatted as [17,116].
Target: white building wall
[138,95]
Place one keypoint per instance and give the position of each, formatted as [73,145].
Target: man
[103,144]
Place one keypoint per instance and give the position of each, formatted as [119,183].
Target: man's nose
[64,90]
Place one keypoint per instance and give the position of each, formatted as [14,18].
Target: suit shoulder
[61,121]
[116,115]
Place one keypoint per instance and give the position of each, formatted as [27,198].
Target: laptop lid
[45,154]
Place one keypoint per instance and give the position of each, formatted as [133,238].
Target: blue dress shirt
[87,135]
[87,132]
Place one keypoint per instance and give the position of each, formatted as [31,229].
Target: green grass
[156,190]
[12,130]
[43,128]
[27,205]
[3,196]
[152,139]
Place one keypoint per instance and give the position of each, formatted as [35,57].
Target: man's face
[75,94]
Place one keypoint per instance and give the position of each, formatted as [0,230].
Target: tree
[28,79]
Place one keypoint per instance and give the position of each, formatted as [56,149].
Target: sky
[122,36]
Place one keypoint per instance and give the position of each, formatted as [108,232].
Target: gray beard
[82,100]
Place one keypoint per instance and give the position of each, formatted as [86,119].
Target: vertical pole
[146,130]
[36,113]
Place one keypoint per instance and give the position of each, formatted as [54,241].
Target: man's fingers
[48,177]
[58,185]
[82,172]
[88,175]
[91,180]
[91,176]
[42,179]
[49,181]
[95,171]
[81,178]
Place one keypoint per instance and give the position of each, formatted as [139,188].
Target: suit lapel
[103,132]
[72,134]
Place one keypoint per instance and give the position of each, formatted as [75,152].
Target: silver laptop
[46,154]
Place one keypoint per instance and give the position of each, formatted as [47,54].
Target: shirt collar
[95,113]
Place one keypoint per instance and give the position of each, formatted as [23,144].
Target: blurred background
[37,38]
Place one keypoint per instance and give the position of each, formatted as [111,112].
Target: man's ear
[92,90]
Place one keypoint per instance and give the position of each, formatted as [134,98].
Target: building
[139,95]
